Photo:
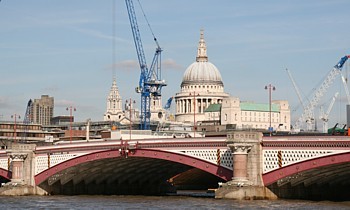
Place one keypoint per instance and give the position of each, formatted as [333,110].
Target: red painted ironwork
[209,167]
[273,176]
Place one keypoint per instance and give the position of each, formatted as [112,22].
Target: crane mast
[150,83]
[345,88]
[26,120]
[296,89]
[324,115]
[307,114]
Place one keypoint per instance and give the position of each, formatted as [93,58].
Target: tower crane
[168,103]
[296,89]
[308,111]
[324,115]
[26,120]
[346,88]
[150,83]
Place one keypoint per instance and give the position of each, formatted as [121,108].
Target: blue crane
[307,115]
[150,83]
[168,103]
[26,120]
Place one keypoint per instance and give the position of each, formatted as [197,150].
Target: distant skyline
[65,49]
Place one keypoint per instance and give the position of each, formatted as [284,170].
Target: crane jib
[342,61]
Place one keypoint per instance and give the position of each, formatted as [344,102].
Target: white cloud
[64,103]
[171,64]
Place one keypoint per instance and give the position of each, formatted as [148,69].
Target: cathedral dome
[202,71]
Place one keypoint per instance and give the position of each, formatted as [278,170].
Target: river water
[156,202]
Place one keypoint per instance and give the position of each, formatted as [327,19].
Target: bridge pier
[240,159]
[18,167]
[22,165]
[246,182]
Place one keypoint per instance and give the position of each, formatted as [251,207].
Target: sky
[64,49]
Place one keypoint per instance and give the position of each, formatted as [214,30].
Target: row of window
[19,135]
[263,114]
[245,119]
[20,127]
[202,86]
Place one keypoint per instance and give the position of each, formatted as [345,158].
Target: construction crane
[167,107]
[163,122]
[168,103]
[26,120]
[296,89]
[346,88]
[307,114]
[150,83]
[324,115]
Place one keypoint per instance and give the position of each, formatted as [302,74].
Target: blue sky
[64,49]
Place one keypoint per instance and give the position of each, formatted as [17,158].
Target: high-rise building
[42,110]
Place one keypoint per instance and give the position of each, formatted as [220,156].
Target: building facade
[42,110]
[202,101]
[114,111]
[250,115]
[201,86]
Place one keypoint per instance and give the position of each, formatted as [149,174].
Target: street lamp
[71,109]
[129,104]
[15,126]
[270,88]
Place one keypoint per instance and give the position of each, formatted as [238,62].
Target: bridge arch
[5,174]
[182,159]
[308,166]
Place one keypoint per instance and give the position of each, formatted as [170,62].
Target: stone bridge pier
[21,159]
[247,180]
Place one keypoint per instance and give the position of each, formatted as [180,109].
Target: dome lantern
[202,71]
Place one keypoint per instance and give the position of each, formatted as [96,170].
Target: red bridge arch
[274,176]
[219,171]
[5,174]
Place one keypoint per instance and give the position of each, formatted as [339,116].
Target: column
[182,106]
[18,167]
[202,111]
[240,159]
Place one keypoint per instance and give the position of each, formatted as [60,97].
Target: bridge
[288,166]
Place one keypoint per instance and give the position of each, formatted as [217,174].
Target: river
[156,202]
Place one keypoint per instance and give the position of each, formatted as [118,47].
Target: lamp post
[129,104]
[194,113]
[270,88]
[71,109]
[15,127]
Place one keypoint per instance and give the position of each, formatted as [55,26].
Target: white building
[114,110]
[201,86]
[202,100]
[250,115]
